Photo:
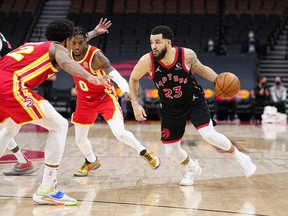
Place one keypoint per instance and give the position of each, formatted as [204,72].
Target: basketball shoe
[191,172]
[53,196]
[21,169]
[244,161]
[86,168]
[151,159]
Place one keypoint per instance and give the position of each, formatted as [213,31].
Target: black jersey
[6,47]
[175,83]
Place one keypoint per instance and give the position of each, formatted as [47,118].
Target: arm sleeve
[120,81]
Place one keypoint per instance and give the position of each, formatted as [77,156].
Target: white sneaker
[244,161]
[53,196]
[190,174]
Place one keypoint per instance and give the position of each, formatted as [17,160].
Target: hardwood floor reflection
[125,185]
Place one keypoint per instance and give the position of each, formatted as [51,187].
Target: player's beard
[161,54]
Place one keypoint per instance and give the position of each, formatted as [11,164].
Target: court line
[159,206]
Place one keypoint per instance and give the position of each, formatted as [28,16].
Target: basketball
[226,85]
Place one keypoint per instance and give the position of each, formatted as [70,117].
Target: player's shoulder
[145,59]
[189,52]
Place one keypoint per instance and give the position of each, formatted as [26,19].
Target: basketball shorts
[87,111]
[174,119]
[21,103]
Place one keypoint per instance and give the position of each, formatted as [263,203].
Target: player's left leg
[84,144]
[118,129]
[23,166]
[217,139]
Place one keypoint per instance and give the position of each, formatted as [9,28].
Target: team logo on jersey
[158,70]
[178,66]
[165,133]
[29,102]
[85,64]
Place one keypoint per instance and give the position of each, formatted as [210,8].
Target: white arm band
[120,81]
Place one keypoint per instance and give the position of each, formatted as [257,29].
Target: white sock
[236,154]
[91,157]
[191,164]
[20,156]
[49,177]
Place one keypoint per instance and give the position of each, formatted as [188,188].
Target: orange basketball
[226,85]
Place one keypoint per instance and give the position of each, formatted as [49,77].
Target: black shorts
[174,119]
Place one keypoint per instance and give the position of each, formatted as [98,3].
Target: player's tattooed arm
[198,67]
[101,61]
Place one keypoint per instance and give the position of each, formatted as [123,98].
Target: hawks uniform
[20,71]
[181,97]
[93,99]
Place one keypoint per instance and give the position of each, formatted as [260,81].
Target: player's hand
[139,112]
[127,96]
[103,26]
[100,80]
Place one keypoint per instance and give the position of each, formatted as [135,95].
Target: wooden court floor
[125,185]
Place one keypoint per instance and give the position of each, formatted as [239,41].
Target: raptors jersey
[29,64]
[175,83]
[85,89]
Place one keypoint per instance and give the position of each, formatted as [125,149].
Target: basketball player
[24,166]
[93,100]
[172,69]
[23,69]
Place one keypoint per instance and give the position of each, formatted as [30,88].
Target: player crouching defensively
[93,100]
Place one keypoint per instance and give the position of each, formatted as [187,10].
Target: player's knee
[11,129]
[209,137]
[61,124]
[120,134]
[208,133]
[175,153]
[79,139]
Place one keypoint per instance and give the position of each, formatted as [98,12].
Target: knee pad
[12,128]
[175,152]
[213,137]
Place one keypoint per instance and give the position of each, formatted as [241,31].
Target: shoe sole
[78,175]
[19,173]
[158,164]
[47,201]
[251,171]
[198,174]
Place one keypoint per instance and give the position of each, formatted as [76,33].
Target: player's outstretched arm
[101,28]
[62,57]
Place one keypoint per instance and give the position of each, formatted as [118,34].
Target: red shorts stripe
[201,126]
[171,141]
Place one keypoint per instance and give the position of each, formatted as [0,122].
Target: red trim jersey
[21,70]
[176,84]
[93,99]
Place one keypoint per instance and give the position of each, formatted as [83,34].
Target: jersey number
[83,86]
[18,55]
[169,92]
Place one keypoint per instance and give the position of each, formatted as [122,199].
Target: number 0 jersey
[85,89]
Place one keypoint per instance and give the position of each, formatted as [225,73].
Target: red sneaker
[21,169]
